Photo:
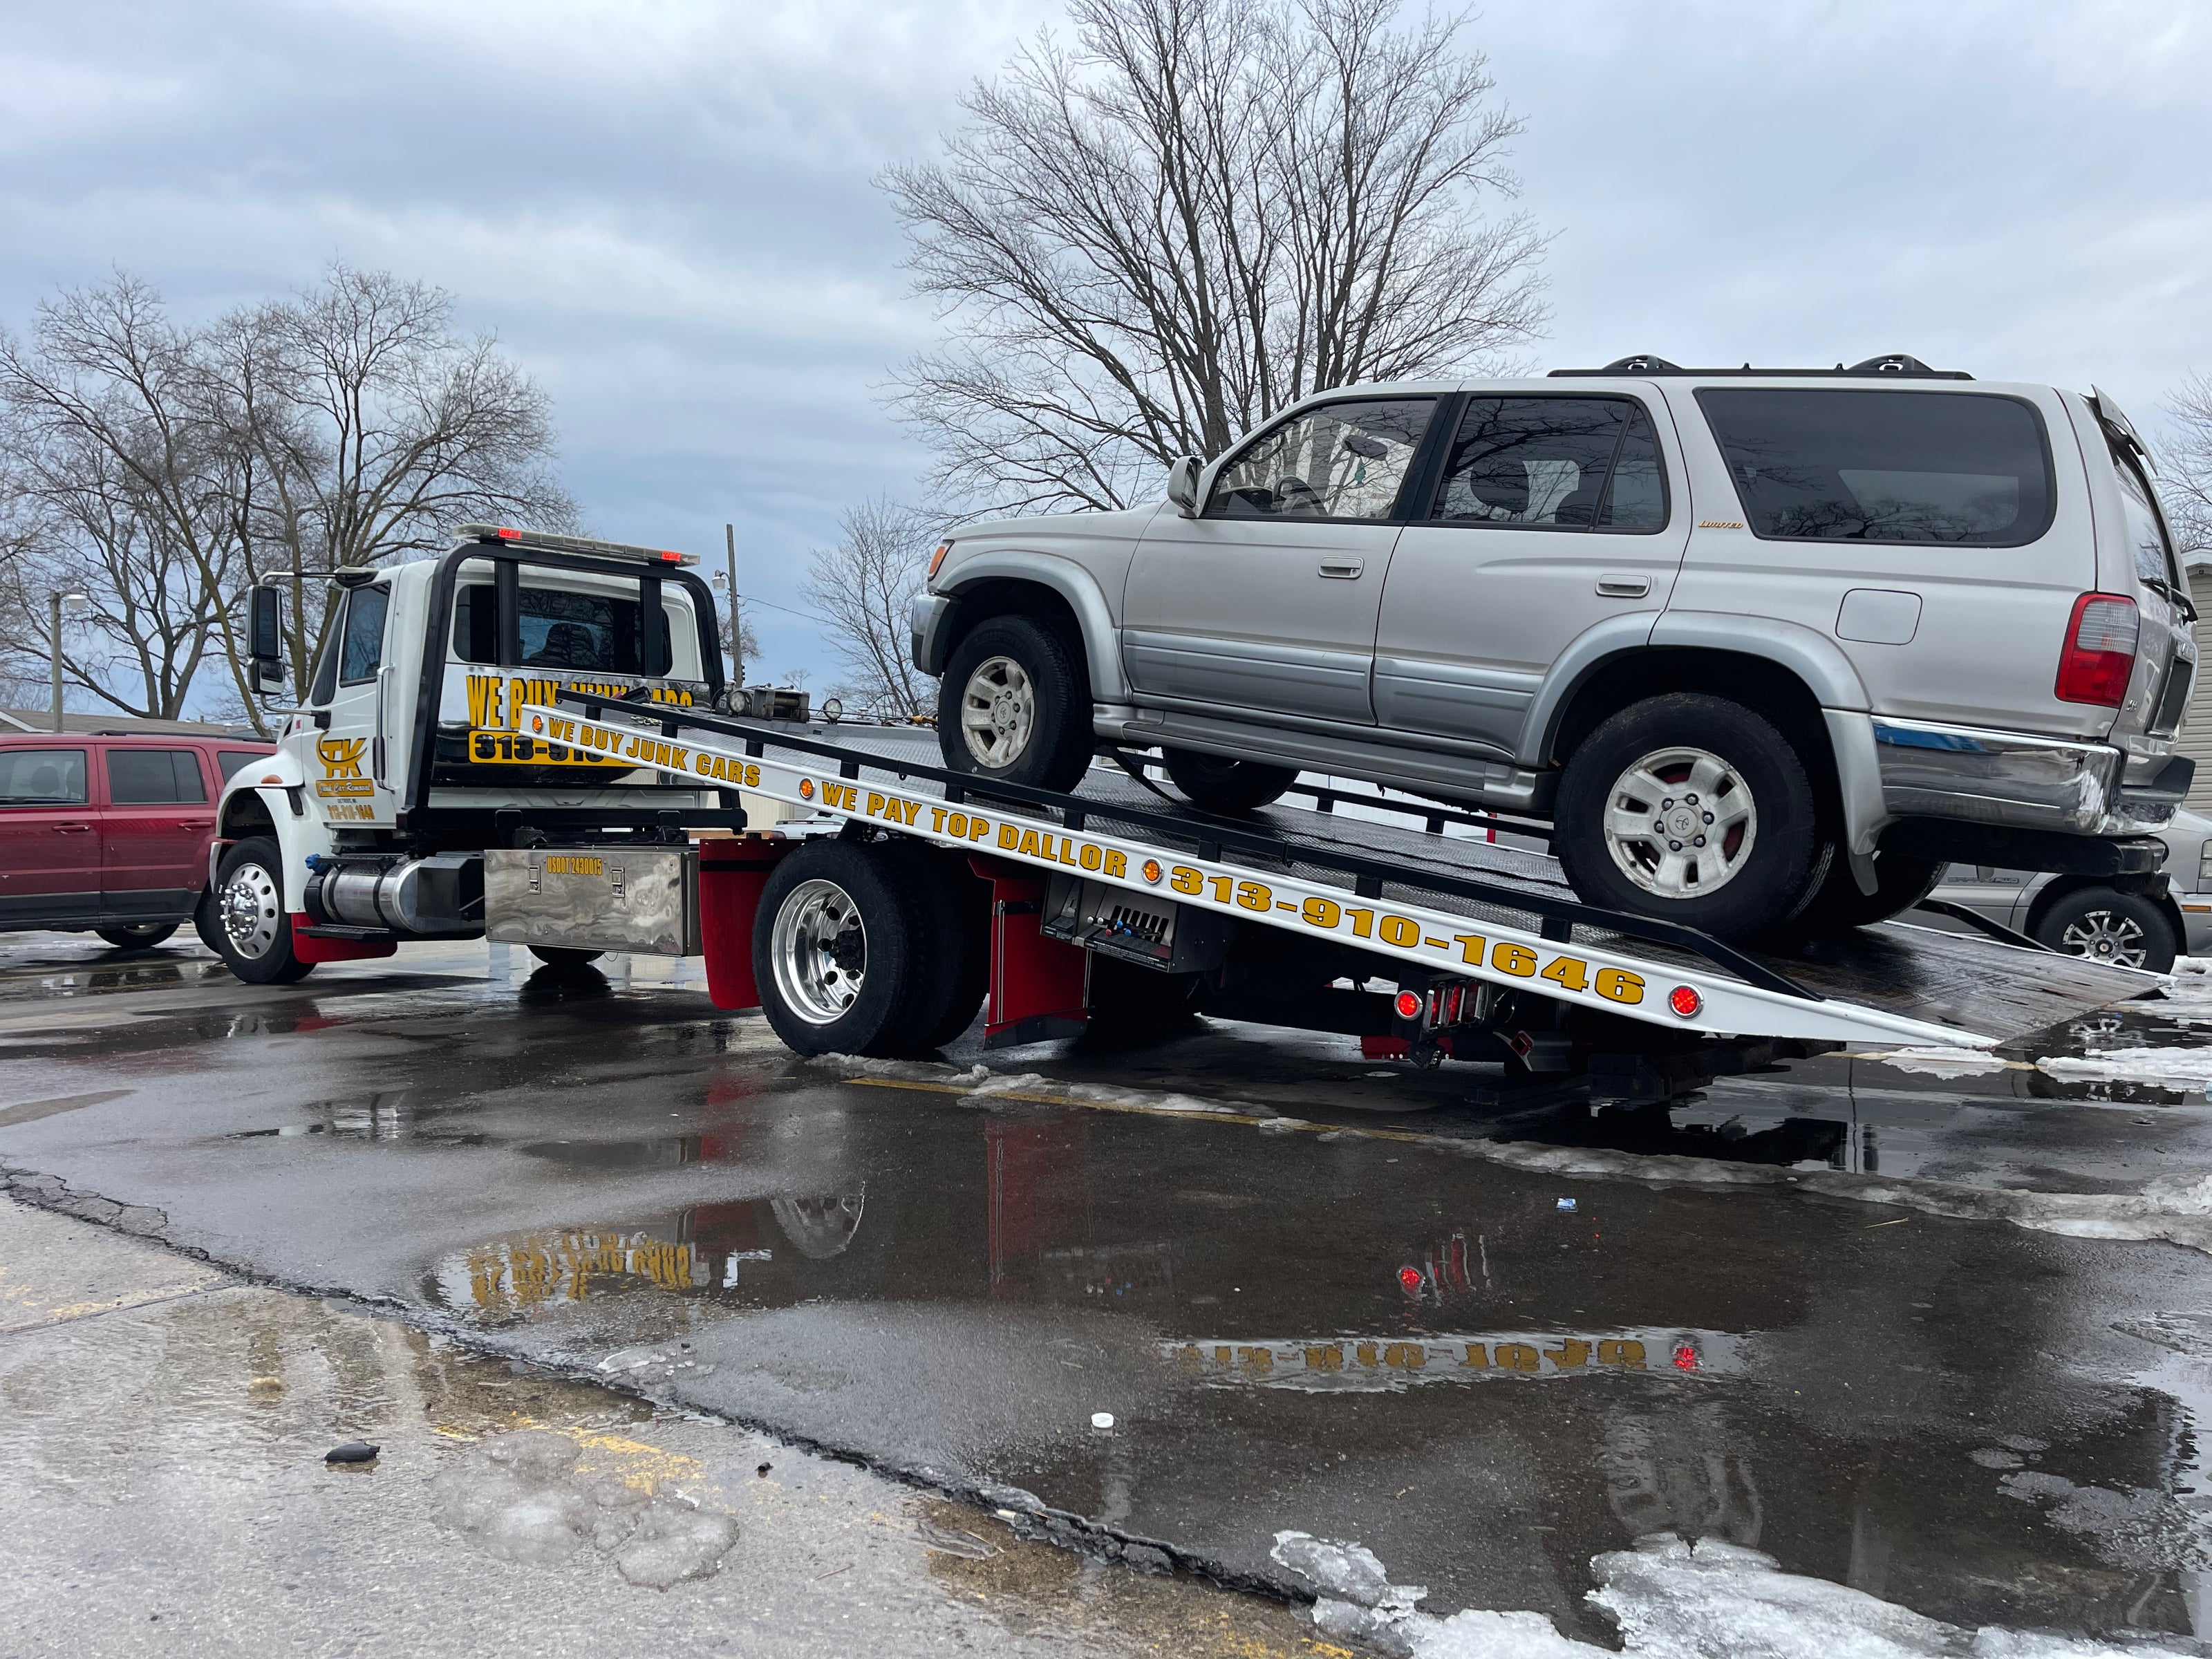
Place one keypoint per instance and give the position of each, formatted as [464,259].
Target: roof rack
[1896,365]
[545,541]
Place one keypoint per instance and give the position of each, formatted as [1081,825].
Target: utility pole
[54,603]
[737,630]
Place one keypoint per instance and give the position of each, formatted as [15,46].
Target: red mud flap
[1039,985]
[733,872]
[307,947]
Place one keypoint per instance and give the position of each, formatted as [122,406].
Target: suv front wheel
[1693,809]
[1012,706]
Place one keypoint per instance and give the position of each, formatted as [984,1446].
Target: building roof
[17,720]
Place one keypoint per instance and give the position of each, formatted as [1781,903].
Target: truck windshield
[1969,469]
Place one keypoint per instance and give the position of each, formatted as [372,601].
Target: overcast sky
[666,210]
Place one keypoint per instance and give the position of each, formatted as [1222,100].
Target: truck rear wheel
[954,907]
[840,952]
[253,934]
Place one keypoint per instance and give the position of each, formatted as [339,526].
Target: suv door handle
[73,828]
[1618,585]
[1343,569]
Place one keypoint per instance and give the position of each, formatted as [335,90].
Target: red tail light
[1409,1004]
[2100,651]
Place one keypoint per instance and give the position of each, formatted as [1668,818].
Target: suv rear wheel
[1013,708]
[1901,881]
[1691,808]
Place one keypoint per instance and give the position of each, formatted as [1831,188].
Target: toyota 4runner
[1762,646]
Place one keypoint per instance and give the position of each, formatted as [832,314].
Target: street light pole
[737,634]
[54,603]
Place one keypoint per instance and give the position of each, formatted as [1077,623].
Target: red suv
[110,834]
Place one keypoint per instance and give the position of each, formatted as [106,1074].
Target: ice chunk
[673,1542]
[1941,1062]
[2173,1067]
[1349,1572]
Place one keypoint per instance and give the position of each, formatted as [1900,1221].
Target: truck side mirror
[265,639]
[1182,484]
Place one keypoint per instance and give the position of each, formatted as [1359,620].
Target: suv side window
[153,777]
[361,647]
[1971,469]
[1555,463]
[1345,461]
[229,760]
[43,777]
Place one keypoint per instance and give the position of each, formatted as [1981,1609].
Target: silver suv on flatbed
[1762,646]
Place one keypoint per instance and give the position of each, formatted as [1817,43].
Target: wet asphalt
[1945,1339]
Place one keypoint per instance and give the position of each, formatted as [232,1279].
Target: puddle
[1377,1337]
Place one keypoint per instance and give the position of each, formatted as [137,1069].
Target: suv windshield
[1824,464]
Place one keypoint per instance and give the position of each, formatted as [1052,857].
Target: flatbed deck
[1454,901]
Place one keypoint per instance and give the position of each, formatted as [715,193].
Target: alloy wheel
[819,952]
[1680,823]
[997,709]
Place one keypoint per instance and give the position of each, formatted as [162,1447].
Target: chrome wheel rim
[997,709]
[1680,823]
[819,951]
[251,909]
[2105,937]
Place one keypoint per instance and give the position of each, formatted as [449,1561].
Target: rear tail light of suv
[2100,650]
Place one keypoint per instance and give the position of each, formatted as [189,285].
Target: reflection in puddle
[1328,1365]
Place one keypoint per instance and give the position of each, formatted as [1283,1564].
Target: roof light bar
[546,542]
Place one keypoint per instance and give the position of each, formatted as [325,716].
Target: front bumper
[926,619]
[2016,781]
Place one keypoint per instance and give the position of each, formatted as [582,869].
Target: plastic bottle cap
[1101,1419]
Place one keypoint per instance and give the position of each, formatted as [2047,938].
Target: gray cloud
[666,210]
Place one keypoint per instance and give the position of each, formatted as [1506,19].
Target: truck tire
[144,937]
[1692,808]
[253,935]
[2104,925]
[954,905]
[1901,881]
[562,956]
[1013,708]
[839,952]
[1216,784]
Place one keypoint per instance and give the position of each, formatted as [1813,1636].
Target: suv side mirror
[265,639]
[1182,484]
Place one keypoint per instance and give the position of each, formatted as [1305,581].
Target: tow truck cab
[430,733]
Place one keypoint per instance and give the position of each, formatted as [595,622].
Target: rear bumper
[2019,781]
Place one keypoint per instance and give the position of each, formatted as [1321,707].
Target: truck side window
[1554,464]
[361,646]
[476,623]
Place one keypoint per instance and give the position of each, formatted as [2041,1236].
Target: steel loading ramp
[1440,901]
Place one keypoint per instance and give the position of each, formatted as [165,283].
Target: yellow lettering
[1517,1357]
[1620,1350]
[979,827]
[1570,1355]
[483,702]
[1476,1356]
[1089,856]
[1117,864]
[1032,847]
[1407,1356]
[1328,1358]
[875,805]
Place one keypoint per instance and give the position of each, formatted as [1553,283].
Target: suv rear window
[1885,466]
[153,777]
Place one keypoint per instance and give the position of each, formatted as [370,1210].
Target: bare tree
[118,463]
[1206,211]
[162,469]
[376,427]
[863,587]
[2187,474]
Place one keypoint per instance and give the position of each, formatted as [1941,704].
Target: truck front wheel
[252,932]
[839,952]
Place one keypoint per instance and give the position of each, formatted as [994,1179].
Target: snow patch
[982,1080]
[2190,1068]
[1671,1600]
[1941,1062]
[520,1497]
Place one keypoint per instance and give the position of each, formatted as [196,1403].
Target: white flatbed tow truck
[522,738]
